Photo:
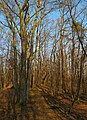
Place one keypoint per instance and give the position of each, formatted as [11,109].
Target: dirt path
[36,109]
[40,106]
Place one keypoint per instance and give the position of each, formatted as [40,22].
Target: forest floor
[41,106]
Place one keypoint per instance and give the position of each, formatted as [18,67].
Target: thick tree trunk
[80,78]
[72,66]
[23,87]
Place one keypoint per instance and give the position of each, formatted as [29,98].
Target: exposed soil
[41,106]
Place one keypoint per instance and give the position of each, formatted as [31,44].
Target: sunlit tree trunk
[2,73]
[80,77]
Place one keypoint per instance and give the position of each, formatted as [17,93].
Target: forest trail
[40,110]
[40,106]
[36,109]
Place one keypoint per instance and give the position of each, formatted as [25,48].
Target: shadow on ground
[61,105]
[36,108]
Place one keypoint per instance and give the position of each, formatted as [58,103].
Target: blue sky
[53,16]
